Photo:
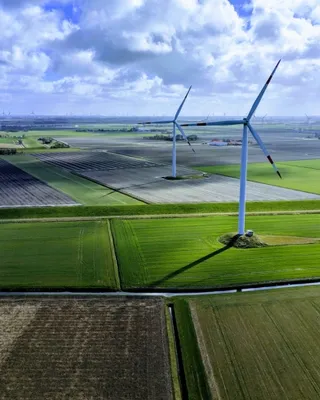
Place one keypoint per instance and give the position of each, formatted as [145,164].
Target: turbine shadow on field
[195,263]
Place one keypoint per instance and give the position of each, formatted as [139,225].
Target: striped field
[57,255]
[185,253]
[262,345]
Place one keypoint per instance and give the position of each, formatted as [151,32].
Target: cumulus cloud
[138,56]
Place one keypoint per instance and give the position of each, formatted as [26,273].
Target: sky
[138,57]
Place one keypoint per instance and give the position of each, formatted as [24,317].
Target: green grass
[157,209]
[196,382]
[57,255]
[80,189]
[173,357]
[262,345]
[7,140]
[185,253]
[33,143]
[299,175]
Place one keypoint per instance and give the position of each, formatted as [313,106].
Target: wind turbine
[244,151]
[174,126]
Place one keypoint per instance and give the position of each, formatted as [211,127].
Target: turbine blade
[258,99]
[264,149]
[181,105]
[213,123]
[154,122]
[184,135]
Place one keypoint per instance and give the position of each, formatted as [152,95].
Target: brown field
[80,348]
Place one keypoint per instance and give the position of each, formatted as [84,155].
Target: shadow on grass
[195,263]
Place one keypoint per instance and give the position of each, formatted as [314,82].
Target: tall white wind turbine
[244,151]
[174,126]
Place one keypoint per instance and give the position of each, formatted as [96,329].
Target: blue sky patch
[242,7]
[70,10]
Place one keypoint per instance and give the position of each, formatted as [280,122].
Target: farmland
[161,210]
[80,189]
[185,253]
[84,349]
[262,345]
[21,189]
[6,142]
[57,255]
[299,175]
[91,161]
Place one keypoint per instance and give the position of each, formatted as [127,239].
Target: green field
[262,345]
[33,143]
[185,253]
[159,209]
[299,175]
[57,255]
[80,189]
[8,142]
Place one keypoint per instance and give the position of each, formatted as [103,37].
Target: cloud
[141,55]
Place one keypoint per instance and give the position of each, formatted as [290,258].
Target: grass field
[57,255]
[185,253]
[158,209]
[262,345]
[81,190]
[33,143]
[299,175]
[8,142]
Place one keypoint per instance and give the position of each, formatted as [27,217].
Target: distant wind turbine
[174,126]
[244,151]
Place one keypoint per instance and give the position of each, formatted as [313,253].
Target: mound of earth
[242,241]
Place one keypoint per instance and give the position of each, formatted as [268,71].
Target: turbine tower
[174,126]
[244,151]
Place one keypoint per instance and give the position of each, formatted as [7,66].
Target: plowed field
[83,349]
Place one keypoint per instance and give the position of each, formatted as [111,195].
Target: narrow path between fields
[143,293]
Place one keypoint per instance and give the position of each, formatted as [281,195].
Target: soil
[80,348]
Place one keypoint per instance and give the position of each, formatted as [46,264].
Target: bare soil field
[149,186]
[18,188]
[80,348]
[282,143]
[91,161]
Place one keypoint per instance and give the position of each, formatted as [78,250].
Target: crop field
[185,252]
[9,142]
[262,345]
[299,175]
[82,190]
[91,161]
[18,188]
[50,255]
[150,186]
[80,348]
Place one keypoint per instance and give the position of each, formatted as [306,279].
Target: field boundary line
[153,216]
[114,255]
[204,355]
[173,356]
